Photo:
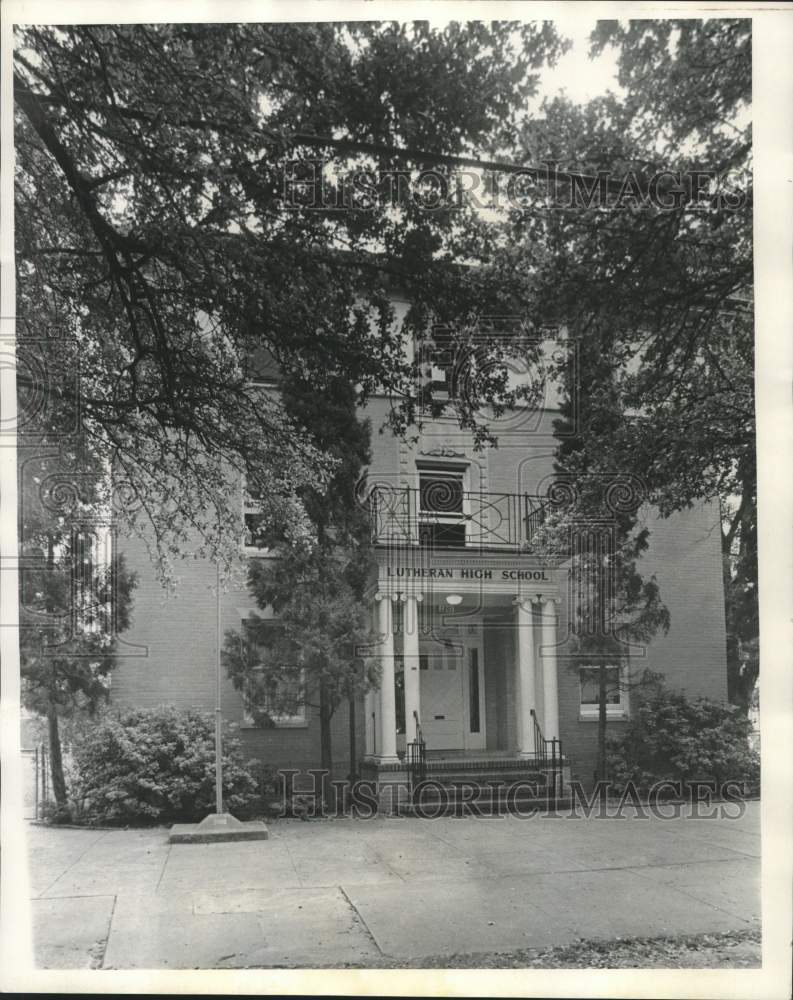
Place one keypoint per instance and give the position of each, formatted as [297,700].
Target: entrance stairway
[487,785]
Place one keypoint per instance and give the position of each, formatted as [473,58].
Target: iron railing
[548,754]
[37,787]
[416,759]
[481,520]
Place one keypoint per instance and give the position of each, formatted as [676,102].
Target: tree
[75,595]
[157,233]
[656,289]
[316,653]
[614,609]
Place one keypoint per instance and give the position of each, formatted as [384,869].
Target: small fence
[37,780]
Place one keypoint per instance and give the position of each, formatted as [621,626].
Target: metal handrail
[416,758]
[551,763]
[486,520]
[419,734]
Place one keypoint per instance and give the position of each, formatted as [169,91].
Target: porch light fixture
[454,599]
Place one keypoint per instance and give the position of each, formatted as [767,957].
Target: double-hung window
[439,363]
[253,537]
[442,508]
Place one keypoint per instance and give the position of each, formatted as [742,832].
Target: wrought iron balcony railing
[406,516]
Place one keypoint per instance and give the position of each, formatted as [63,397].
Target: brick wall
[168,657]
[685,556]
[169,653]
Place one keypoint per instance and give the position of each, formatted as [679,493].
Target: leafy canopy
[154,234]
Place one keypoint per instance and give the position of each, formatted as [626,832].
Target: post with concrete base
[218,826]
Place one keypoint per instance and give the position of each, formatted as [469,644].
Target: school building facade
[480,679]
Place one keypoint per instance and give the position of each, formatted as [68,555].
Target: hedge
[158,766]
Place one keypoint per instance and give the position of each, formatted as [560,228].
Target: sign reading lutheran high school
[419,571]
[465,573]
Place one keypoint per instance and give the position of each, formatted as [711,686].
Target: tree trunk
[326,752]
[56,760]
[353,741]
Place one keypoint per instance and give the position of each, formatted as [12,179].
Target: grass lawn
[731,950]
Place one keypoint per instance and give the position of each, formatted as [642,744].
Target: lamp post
[217,825]
[218,707]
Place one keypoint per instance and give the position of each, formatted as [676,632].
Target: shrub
[676,739]
[157,766]
[50,812]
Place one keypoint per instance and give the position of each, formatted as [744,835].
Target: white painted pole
[218,717]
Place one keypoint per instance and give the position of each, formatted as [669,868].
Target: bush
[158,766]
[676,739]
[50,812]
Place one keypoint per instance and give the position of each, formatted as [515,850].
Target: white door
[452,694]
[441,680]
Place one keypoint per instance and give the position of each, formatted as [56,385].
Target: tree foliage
[674,738]
[75,591]
[153,230]
[158,766]
[615,612]
[317,651]
[655,289]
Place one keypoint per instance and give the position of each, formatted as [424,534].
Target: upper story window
[261,366]
[253,538]
[440,362]
[442,503]
[516,363]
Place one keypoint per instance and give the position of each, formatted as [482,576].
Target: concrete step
[488,777]
[482,805]
[532,785]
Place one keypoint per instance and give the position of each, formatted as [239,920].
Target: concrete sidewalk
[341,891]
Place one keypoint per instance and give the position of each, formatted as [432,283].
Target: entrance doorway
[451,678]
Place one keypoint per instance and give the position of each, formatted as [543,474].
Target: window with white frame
[253,538]
[442,507]
[589,688]
[438,360]
[453,360]
[280,694]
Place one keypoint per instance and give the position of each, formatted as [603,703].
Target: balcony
[443,516]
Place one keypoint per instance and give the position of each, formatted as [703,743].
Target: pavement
[337,891]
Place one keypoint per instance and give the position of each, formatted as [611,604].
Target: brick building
[473,620]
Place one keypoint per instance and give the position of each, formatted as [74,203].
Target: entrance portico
[443,633]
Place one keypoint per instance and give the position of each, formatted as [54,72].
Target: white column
[525,696]
[386,737]
[368,709]
[372,703]
[410,636]
[550,689]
